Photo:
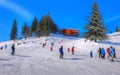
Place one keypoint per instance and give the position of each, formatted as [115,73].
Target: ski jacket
[90,52]
[108,50]
[68,49]
[61,50]
[72,49]
[111,51]
[102,51]
[13,47]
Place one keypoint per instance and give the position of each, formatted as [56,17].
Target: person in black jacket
[61,52]
[13,49]
[114,53]
[99,51]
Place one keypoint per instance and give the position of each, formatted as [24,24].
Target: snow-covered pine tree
[95,27]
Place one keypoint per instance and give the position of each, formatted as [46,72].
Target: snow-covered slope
[32,59]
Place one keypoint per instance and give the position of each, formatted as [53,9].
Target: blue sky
[65,13]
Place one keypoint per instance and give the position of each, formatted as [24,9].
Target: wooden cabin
[69,32]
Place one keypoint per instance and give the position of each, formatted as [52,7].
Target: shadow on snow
[7,65]
[1,59]
[73,59]
[80,55]
[23,56]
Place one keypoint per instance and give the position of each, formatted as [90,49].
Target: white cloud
[112,19]
[16,8]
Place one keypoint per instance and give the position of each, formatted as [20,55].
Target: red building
[69,32]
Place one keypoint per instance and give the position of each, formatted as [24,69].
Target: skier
[91,54]
[58,42]
[68,49]
[61,52]
[52,44]
[51,49]
[111,53]
[5,46]
[108,51]
[43,45]
[73,50]
[103,53]
[99,51]
[13,49]
[114,53]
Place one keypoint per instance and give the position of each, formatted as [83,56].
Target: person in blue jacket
[61,52]
[91,54]
[103,53]
[111,53]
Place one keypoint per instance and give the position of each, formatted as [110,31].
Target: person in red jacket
[51,49]
[108,51]
[73,50]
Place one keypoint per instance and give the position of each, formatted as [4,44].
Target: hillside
[32,59]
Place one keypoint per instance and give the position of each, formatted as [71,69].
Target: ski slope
[32,59]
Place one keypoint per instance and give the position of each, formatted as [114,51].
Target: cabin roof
[69,29]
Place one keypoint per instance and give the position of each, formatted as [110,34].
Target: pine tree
[40,26]
[13,35]
[29,32]
[95,27]
[34,26]
[117,29]
[53,28]
[46,26]
[25,30]
[38,31]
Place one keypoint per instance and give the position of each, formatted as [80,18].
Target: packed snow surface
[32,59]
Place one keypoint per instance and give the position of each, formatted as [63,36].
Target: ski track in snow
[32,59]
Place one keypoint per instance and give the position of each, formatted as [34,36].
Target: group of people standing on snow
[62,52]
[12,48]
[110,51]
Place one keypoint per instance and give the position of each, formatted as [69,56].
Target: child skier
[68,49]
